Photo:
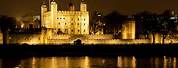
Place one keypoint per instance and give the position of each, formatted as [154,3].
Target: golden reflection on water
[174,62]
[55,62]
[91,62]
[33,62]
[126,62]
[169,62]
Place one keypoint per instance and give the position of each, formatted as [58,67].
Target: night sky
[21,7]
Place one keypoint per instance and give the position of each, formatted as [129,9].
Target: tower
[83,6]
[71,7]
[44,9]
[84,21]
[53,13]
[128,29]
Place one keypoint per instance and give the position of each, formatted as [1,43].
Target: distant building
[65,22]
[27,22]
[98,23]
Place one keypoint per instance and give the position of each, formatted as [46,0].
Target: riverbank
[89,50]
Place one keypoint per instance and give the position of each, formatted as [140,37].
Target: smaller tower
[128,28]
[71,7]
[44,9]
[83,6]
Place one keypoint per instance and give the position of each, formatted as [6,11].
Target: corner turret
[83,6]
[44,9]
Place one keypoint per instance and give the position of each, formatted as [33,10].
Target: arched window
[78,30]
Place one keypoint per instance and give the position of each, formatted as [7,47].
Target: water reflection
[126,62]
[90,62]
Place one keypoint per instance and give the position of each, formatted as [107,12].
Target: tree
[6,25]
[114,22]
[148,23]
[168,23]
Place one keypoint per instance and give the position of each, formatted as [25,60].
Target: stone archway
[78,41]
[78,38]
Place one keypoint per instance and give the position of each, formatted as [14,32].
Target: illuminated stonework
[128,30]
[65,22]
[65,27]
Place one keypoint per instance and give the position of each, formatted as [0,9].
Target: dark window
[84,23]
[78,19]
[59,23]
[72,30]
[65,23]
[84,19]
[59,29]
[78,30]
[78,23]
[71,23]
[84,30]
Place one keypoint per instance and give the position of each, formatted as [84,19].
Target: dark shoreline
[143,50]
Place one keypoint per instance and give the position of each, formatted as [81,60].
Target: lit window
[172,18]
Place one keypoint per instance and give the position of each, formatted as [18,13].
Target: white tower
[53,10]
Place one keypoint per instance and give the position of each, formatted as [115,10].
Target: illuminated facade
[65,27]
[65,22]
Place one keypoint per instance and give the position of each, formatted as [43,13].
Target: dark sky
[21,7]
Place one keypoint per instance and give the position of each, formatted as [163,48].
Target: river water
[90,62]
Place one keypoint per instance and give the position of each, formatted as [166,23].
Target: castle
[65,27]
[65,22]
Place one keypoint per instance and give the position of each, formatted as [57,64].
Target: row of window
[71,19]
[71,24]
[66,30]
